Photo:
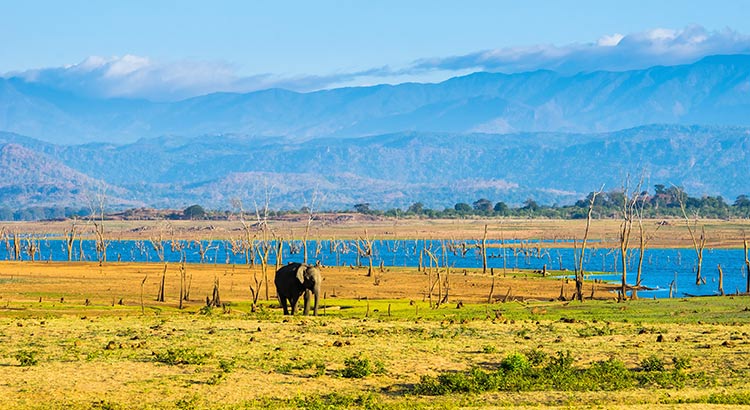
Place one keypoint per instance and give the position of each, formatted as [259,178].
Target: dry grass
[104,356]
[84,361]
[107,285]
[673,234]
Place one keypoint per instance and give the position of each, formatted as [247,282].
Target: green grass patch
[720,310]
[557,373]
[357,367]
[181,356]
[27,358]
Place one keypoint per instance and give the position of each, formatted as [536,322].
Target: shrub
[181,356]
[489,349]
[27,358]
[515,362]
[357,367]
[681,363]
[741,398]
[652,364]
[536,357]
[609,375]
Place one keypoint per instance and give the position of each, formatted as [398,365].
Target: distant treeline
[665,202]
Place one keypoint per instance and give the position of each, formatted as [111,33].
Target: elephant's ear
[301,273]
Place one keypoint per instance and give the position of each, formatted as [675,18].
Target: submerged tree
[628,211]
[579,268]
[699,242]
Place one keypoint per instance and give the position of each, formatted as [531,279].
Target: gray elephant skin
[295,279]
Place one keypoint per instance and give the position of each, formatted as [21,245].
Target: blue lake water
[660,266]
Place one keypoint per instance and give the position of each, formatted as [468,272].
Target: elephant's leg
[282,300]
[307,302]
[316,294]
[293,301]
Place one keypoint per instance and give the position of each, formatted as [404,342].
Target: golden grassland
[100,340]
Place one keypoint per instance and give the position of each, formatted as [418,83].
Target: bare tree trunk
[98,209]
[492,286]
[747,267]
[721,280]
[161,296]
[16,247]
[215,298]
[70,239]
[484,250]
[309,222]
[643,244]
[579,271]
[366,250]
[629,203]
[698,243]
[182,284]
[143,282]
[8,247]
[447,284]
[436,282]
[31,248]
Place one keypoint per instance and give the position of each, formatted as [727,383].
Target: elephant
[294,279]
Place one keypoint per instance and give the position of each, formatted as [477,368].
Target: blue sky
[182,48]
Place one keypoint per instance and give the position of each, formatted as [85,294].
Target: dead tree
[70,238]
[161,295]
[183,274]
[143,282]
[492,286]
[579,268]
[699,242]
[243,245]
[266,237]
[747,265]
[644,239]
[157,242]
[366,250]
[215,300]
[484,250]
[6,239]
[203,248]
[17,255]
[446,278]
[436,282]
[721,280]
[628,209]
[32,247]
[307,225]
[179,247]
[279,250]
[98,208]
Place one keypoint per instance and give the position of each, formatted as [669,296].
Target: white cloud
[140,77]
[616,52]
[610,40]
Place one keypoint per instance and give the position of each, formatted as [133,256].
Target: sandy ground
[75,282]
[663,233]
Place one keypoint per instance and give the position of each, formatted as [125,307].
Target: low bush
[357,367]
[516,373]
[652,364]
[181,356]
[27,358]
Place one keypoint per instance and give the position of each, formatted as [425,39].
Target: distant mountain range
[539,135]
[712,91]
[392,170]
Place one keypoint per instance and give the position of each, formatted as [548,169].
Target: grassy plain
[67,342]
[77,335]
